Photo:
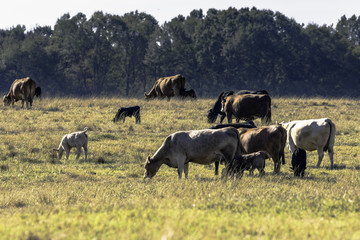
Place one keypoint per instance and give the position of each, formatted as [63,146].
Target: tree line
[229,49]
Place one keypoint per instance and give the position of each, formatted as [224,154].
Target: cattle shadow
[336,167]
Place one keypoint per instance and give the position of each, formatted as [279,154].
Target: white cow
[198,146]
[310,135]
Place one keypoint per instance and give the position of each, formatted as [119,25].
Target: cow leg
[67,152]
[217,168]
[223,115]
[61,151]
[85,152]
[229,117]
[78,152]
[22,103]
[277,166]
[331,156]
[181,165]
[261,172]
[277,163]
[186,170]
[320,157]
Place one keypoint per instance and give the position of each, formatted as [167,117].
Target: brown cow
[270,139]
[21,89]
[167,87]
[247,107]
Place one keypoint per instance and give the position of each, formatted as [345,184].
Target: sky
[32,13]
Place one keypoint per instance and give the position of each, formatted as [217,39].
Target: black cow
[188,93]
[250,162]
[298,162]
[249,124]
[216,109]
[38,92]
[128,112]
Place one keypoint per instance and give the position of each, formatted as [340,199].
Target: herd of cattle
[239,146]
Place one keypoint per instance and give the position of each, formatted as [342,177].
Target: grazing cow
[21,89]
[123,112]
[270,139]
[298,162]
[167,87]
[75,139]
[216,109]
[249,124]
[198,146]
[310,135]
[188,93]
[38,92]
[247,107]
[250,162]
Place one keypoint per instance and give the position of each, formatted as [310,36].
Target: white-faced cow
[310,135]
[270,139]
[198,146]
[21,89]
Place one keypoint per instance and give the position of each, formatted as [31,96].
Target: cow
[21,89]
[269,139]
[250,162]
[247,107]
[249,124]
[298,162]
[199,146]
[216,109]
[167,87]
[75,139]
[124,112]
[38,92]
[310,135]
[188,93]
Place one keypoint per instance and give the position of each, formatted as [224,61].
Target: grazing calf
[128,112]
[248,162]
[298,162]
[249,124]
[75,139]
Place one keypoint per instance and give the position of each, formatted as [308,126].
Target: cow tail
[283,143]
[331,139]
[238,151]
[268,114]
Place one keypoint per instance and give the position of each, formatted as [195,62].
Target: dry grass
[106,198]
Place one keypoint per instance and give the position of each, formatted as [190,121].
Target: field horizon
[107,197]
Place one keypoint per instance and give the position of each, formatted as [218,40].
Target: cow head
[211,116]
[7,100]
[151,168]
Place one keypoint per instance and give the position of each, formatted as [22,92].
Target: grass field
[107,198]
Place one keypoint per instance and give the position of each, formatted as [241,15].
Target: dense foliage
[220,50]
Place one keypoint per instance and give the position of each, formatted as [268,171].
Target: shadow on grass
[31,160]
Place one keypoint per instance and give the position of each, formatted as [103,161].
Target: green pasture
[107,198]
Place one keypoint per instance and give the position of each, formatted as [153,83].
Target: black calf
[298,162]
[38,92]
[128,112]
